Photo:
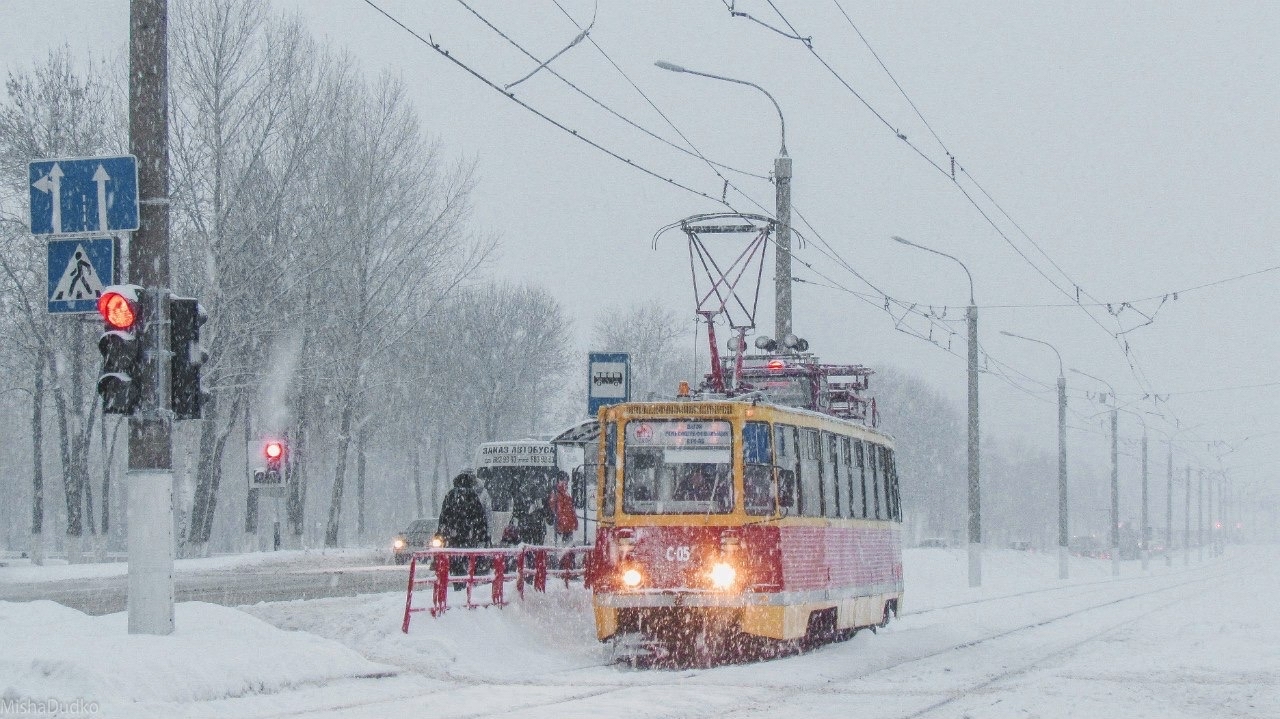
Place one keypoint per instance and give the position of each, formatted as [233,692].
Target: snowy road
[1190,642]
[102,589]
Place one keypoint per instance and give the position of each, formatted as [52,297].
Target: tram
[763,507]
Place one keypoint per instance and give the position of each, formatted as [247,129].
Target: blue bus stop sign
[608,379]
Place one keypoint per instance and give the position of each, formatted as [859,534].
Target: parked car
[935,542]
[1086,546]
[420,535]
[1020,545]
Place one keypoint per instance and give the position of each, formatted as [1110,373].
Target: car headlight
[437,541]
[723,575]
[397,543]
[632,578]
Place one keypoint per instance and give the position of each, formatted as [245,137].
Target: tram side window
[830,488]
[874,473]
[757,468]
[810,480]
[891,485]
[844,477]
[788,461]
[610,469]
[860,476]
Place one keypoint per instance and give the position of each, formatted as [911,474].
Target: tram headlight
[398,543]
[437,541]
[632,578]
[723,575]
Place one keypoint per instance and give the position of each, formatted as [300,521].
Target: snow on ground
[21,571]
[1181,642]
[216,652]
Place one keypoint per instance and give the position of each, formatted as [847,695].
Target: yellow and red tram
[742,517]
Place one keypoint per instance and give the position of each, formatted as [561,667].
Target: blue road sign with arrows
[83,195]
[78,270]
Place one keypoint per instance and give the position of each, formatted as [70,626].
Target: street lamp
[1146,531]
[975,503]
[1168,511]
[1063,572]
[1115,478]
[782,199]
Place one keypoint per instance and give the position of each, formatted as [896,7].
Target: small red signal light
[273,450]
[775,365]
[117,310]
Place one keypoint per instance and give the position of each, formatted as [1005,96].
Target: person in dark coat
[463,520]
[529,511]
[463,523]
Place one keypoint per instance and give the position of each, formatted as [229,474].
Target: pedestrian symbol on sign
[79,272]
[79,280]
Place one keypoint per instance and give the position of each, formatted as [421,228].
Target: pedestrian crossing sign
[78,271]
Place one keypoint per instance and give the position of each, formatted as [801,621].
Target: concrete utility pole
[1168,513]
[1063,569]
[1200,517]
[1115,476]
[1186,524]
[150,478]
[782,181]
[1144,548]
[975,496]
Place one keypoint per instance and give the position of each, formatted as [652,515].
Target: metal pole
[1168,514]
[150,490]
[1063,571]
[1200,517]
[1115,492]
[1146,525]
[975,498]
[1186,524]
[1062,476]
[782,179]
[782,252]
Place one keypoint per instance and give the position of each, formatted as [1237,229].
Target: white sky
[1133,142]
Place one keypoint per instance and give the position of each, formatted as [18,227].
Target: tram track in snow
[578,688]
[788,692]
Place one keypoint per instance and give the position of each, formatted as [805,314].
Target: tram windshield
[678,467]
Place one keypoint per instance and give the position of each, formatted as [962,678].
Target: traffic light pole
[150,481]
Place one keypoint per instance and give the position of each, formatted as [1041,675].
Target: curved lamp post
[1115,477]
[782,199]
[1063,572]
[975,497]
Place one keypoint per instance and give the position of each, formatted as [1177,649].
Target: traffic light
[120,383]
[186,395]
[275,452]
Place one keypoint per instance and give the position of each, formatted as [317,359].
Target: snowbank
[51,651]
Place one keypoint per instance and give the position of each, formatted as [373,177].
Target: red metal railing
[521,565]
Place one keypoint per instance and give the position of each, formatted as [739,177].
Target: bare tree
[657,340]
[401,211]
[245,121]
[55,110]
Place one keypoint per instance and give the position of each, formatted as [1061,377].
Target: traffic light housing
[275,453]
[123,363]
[186,393]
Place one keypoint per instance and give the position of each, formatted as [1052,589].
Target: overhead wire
[511,96]
[1135,367]
[597,102]
[950,175]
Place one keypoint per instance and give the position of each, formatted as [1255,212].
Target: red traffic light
[117,310]
[274,450]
